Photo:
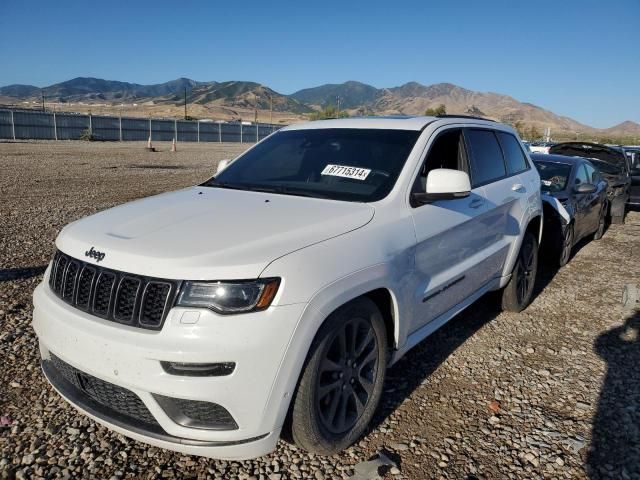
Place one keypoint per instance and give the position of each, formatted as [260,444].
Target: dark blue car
[574,196]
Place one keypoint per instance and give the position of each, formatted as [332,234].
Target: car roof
[416,123]
[555,158]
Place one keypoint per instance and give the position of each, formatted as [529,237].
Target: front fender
[323,303]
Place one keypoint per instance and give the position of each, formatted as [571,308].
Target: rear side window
[487,163]
[516,161]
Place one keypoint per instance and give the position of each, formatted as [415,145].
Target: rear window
[513,154]
[553,176]
[487,163]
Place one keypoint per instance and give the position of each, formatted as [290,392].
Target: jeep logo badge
[94,254]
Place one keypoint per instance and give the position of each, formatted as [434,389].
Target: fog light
[199,369]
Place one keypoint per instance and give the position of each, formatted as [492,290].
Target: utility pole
[185,103]
[43,101]
[338,102]
[271,109]
[255,117]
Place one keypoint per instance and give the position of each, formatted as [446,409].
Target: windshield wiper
[279,189]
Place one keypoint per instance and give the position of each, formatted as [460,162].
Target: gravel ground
[553,392]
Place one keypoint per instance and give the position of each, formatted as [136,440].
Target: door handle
[476,203]
[518,187]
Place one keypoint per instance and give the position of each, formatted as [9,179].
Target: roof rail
[464,116]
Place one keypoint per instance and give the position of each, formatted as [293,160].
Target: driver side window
[581,175]
[446,151]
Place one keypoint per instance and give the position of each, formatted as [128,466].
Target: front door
[583,214]
[451,239]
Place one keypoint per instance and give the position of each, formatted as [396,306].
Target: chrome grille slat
[135,300]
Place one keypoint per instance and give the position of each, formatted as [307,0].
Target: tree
[520,128]
[534,133]
[439,110]
[329,111]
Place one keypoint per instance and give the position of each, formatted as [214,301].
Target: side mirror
[444,184]
[222,164]
[585,188]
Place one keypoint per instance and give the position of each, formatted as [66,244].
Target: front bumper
[130,357]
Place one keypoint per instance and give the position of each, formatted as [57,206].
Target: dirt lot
[553,392]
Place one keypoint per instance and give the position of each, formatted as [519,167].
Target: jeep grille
[116,296]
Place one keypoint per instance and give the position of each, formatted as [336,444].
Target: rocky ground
[553,392]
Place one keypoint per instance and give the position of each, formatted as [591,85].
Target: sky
[579,58]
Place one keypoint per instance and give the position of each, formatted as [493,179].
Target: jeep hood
[204,233]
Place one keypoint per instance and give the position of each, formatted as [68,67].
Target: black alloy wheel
[567,245]
[346,376]
[518,292]
[341,381]
[602,223]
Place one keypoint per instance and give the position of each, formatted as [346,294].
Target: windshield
[553,176]
[356,165]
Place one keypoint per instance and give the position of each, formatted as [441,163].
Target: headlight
[229,297]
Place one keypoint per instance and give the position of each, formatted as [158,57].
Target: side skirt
[426,330]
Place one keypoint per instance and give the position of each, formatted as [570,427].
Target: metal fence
[26,125]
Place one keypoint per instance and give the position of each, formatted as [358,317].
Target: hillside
[352,94]
[242,99]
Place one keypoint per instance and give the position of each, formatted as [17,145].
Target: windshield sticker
[346,172]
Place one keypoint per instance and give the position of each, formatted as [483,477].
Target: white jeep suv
[276,294]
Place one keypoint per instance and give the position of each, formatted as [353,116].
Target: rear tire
[341,382]
[602,223]
[517,294]
[618,220]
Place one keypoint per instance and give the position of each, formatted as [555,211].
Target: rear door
[505,191]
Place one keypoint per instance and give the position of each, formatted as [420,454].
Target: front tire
[341,382]
[567,245]
[517,294]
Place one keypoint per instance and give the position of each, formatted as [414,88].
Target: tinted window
[487,163]
[581,175]
[553,176]
[446,151]
[592,174]
[516,161]
[359,165]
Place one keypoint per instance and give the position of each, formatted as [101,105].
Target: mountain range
[241,98]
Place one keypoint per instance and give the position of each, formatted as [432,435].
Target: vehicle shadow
[8,274]
[615,438]
[425,358]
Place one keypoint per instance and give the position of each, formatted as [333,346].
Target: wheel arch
[371,283]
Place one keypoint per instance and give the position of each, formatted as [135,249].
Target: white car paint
[326,253]
[538,149]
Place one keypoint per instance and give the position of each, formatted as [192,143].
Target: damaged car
[574,198]
[613,166]
[633,157]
